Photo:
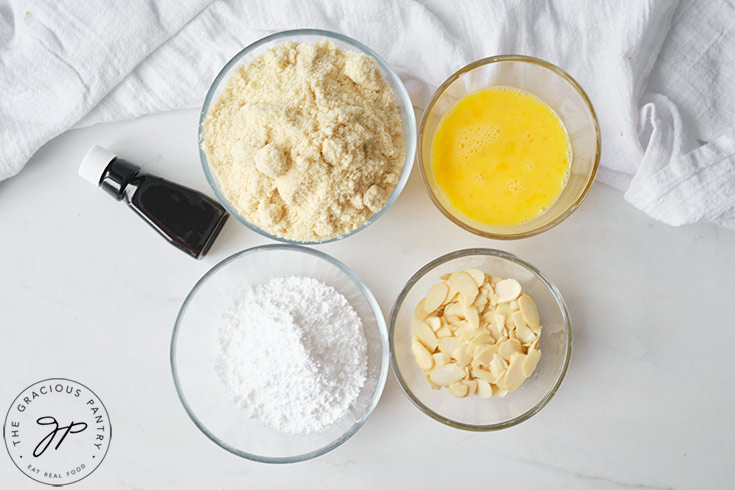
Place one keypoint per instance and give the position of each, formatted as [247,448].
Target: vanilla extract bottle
[188,219]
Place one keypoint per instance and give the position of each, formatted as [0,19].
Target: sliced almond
[488,308]
[460,324]
[483,338]
[433,385]
[446,374]
[529,311]
[514,376]
[493,348]
[436,296]
[508,348]
[416,324]
[527,344]
[477,275]
[517,319]
[464,284]
[499,392]
[471,384]
[450,344]
[530,362]
[452,295]
[441,358]
[465,331]
[533,344]
[504,309]
[481,301]
[462,355]
[498,321]
[422,356]
[454,309]
[419,312]
[498,366]
[507,290]
[484,390]
[496,332]
[458,390]
[451,319]
[484,375]
[470,313]
[425,334]
[525,334]
[484,354]
[434,322]
[476,332]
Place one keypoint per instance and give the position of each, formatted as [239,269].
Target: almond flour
[306,140]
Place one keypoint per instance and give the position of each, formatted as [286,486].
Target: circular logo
[57,431]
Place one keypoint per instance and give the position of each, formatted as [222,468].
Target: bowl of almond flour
[279,353]
[307,136]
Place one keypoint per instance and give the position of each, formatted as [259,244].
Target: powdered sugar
[293,354]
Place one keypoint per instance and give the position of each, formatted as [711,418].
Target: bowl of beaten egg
[509,146]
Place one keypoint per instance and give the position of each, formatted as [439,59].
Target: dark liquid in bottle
[188,219]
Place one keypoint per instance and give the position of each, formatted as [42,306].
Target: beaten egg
[501,156]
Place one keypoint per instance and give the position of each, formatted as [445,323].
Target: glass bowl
[474,413]
[405,108]
[194,349]
[558,90]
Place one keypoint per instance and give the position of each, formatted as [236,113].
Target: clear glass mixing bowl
[558,90]
[474,413]
[405,108]
[194,349]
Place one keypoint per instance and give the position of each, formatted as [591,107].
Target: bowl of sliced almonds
[480,339]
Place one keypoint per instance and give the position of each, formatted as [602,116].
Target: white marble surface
[89,292]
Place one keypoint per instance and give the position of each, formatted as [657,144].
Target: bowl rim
[403,100]
[384,360]
[498,59]
[503,255]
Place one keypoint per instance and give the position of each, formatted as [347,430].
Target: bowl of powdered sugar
[307,136]
[279,353]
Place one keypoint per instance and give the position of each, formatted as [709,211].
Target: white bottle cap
[94,164]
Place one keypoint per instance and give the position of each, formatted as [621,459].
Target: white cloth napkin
[67,63]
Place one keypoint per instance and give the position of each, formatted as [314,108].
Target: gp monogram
[57,431]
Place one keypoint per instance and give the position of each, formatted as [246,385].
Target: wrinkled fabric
[668,143]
